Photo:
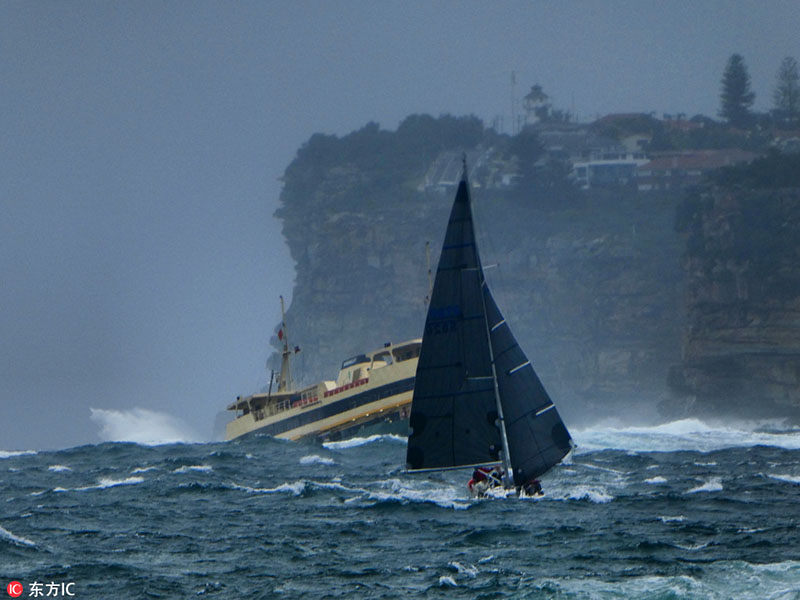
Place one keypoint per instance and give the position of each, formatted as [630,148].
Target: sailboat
[477,400]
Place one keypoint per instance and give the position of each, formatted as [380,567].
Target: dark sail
[537,437]
[471,372]
[454,408]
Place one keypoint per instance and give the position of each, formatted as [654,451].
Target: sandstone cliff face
[741,347]
[592,287]
[620,314]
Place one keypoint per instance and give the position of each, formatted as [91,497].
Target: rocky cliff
[590,283]
[620,313]
[741,346]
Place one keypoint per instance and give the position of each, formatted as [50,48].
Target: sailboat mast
[507,474]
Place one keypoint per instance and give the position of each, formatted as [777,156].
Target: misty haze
[172,174]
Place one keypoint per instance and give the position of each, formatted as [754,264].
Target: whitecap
[684,434]
[103,483]
[295,488]
[468,570]
[656,480]
[142,426]
[447,581]
[107,482]
[783,477]
[672,519]
[17,539]
[582,492]
[444,496]
[486,559]
[712,485]
[315,459]
[359,441]
[58,468]
[143,469]
[13,453]
[195,468]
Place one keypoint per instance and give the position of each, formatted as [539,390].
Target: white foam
[17,539]
[468,570]
[107,482]
[295,488]
[143,469]
[13,453]
[672,519]
[684,434]
[712,485]
[783,477]
[359,441]
[59,468]
[315,459]
[447,581]
[194,468]
[582,492]
[444,496]
[141,426]
[655,480]
[102,484]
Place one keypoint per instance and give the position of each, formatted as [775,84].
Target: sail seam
[517,368]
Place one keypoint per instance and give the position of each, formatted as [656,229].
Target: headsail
[537,437]
[472,372]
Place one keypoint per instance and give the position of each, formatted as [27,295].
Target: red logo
[14,589]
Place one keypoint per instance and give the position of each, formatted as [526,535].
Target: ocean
[686,509]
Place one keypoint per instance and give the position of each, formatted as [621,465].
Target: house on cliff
[678,170]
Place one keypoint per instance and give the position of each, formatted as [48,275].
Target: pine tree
[787,90]
[736,96]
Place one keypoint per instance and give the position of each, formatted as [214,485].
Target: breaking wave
[5,534]
[13,453]
[141,426]
[359,441]
[687,434]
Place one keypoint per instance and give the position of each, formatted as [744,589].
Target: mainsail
[477,399]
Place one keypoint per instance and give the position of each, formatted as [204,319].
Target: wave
[656,480]
[315,459]
[784,477]
[582,492]
[59,469]
[195,468]
[102,484]
[5,534]
[388,491]
[359,441]
[13,453]
[141,426]
[686,434]
[712,485]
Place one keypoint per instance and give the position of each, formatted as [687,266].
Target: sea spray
[141,426]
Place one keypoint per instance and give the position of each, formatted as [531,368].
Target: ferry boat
[372,394]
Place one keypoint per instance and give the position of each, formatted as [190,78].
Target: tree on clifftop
[787,90]
[736,96]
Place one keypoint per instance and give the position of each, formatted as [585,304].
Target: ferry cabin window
[407,353]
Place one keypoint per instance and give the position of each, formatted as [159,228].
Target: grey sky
[142,144]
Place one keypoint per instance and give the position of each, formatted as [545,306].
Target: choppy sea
[686,509]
